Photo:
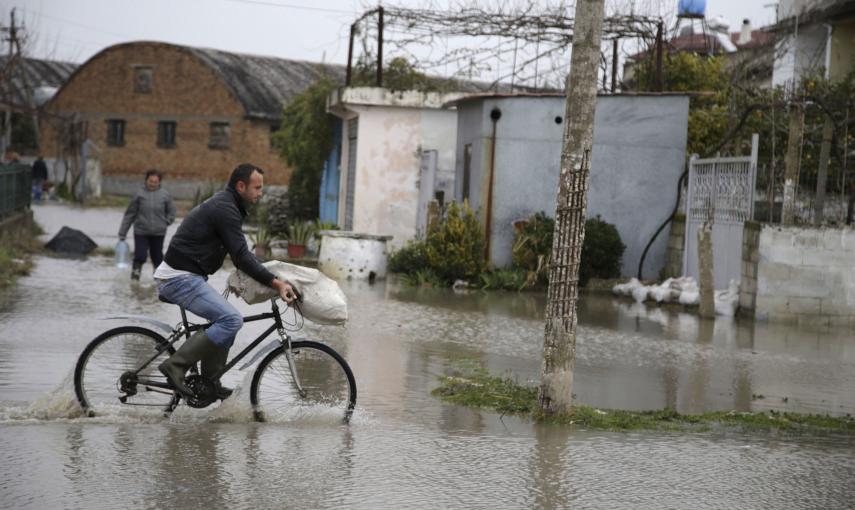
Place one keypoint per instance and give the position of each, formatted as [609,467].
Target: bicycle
[119,367]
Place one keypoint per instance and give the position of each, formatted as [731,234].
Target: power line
[81,25]
[291,6]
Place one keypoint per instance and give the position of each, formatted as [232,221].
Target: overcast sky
[75,30]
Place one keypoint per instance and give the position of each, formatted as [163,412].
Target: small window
[115,132]
[273,129]
[219,135]
[166,134]
[142,80]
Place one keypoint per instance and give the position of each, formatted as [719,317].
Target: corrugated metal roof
[47,74]
[264,84]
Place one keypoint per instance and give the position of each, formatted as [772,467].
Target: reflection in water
[552,485]
[405,448]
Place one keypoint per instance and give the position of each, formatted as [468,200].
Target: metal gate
[720,190]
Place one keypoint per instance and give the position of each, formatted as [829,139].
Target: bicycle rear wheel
[107,376]
[328,386]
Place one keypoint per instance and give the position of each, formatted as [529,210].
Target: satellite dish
[691,8]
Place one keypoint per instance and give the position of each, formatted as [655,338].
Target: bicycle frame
[185,328]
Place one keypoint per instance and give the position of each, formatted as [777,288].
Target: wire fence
[15,188]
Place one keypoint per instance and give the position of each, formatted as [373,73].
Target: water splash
[60,405]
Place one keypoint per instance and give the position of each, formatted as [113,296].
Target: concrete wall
[387,168]
[805,275]
[638,155]
[800,56]
[842,50]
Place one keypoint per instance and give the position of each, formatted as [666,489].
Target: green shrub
[455,249]
[504,279]
[300,232]
[601,251]
[532,249]
[411,258]
[423,278]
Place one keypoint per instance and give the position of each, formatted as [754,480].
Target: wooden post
[660,82]
[614,64]
[791,163]
[380,47]
[347,76]
[822,173]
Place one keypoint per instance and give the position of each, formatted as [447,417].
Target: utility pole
[7,81]
[559,345]
[25,81]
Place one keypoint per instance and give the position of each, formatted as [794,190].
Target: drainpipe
[495,115]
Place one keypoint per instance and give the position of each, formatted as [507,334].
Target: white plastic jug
[123,255]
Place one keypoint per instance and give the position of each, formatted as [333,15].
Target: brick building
[193,113]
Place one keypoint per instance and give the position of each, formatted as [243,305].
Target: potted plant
[261,241]
[298,235]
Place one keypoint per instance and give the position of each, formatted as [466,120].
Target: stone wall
[676,242]
[750,259]
[803,274]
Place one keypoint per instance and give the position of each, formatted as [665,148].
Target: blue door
[330,179]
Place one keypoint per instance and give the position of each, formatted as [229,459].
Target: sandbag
[323,301]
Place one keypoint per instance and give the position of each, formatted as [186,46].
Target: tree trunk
[791,163]
[559,345]
[822,173]
[706,271]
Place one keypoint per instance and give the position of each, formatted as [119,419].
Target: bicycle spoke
[328,389]
[112,372]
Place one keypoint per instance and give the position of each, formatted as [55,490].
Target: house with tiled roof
[193,113]
[749,49]
[27,84]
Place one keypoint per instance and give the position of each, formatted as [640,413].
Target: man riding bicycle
[209,232]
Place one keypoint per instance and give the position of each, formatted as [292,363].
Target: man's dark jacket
[209,232]
[40,170]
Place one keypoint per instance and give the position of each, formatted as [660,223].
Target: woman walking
[150,212]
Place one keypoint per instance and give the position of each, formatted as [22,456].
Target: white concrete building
[815,34]
[397,154]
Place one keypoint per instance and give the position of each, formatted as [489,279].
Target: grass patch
[471,385]
[17,247]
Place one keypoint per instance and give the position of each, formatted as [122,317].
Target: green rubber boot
[196,347]
[212,365]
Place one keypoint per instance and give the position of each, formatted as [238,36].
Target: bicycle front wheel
[318,384]
[114,370]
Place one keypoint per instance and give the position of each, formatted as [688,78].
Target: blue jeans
[193,293]
[37,189]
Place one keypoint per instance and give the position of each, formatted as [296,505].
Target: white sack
[323,300]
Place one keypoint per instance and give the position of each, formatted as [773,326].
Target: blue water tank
[691,8]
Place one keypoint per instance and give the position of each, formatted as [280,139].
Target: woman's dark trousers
[143,247]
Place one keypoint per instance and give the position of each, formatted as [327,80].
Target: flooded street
[405,448]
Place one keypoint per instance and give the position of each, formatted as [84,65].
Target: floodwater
[404,448]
